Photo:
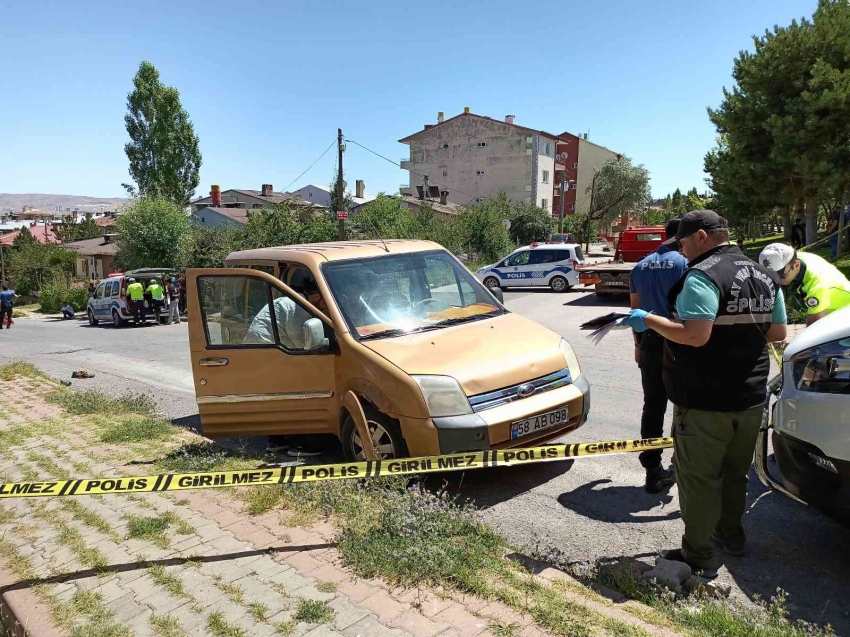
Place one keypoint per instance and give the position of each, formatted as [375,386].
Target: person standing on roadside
[157,298]
[7,299]
[726,309]
[649,284]
[182,284]
[136,294]
[173,293]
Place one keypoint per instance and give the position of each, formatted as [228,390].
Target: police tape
[318,473]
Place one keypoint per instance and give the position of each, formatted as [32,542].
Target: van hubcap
[381,440]
[492,283]
[558,284]
[115,320]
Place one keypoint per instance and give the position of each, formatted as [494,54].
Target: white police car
[537,265]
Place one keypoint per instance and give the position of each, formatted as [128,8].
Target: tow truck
[612,277]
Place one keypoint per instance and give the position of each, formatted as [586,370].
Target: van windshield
[399,294]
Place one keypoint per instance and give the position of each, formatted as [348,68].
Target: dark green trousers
[712,454]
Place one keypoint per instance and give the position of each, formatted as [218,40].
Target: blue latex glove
[635,320]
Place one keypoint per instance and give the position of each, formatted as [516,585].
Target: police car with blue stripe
[540,264]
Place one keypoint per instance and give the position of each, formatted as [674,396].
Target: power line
[311,165]
[412,172]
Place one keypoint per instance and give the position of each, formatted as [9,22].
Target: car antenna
[377,232]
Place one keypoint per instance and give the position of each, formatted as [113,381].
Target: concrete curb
[22,614]
[615,609]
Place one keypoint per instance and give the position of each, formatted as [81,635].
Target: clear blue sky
[268,83]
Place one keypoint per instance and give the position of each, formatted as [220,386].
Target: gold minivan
[281,335]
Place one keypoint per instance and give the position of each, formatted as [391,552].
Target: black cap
[309,286]
[670,230]
[700,220]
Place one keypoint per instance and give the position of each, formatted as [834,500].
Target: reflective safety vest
[135,291]
[156,292]
[820,285]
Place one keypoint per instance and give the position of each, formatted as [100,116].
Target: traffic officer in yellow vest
[157,297]
[818,284]
[136,294]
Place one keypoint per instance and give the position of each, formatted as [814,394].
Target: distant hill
[14,202]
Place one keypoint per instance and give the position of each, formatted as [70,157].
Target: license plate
[538,423]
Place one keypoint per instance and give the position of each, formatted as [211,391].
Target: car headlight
[824,369]
[443,396]
[572,360]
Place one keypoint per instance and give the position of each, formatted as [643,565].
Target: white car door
[516,271]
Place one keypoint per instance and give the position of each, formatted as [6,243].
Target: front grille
[509,394]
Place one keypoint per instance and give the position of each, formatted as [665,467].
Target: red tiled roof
[106,222]
[404,140]
[42,234]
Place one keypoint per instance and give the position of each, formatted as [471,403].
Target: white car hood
[830,328]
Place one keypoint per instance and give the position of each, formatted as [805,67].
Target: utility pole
[340,189]
[561,220]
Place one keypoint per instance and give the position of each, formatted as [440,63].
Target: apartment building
[580,158]
[474,157]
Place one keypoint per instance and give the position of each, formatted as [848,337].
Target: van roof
[548,246]
[334,250]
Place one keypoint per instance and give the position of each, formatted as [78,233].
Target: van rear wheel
[385,432]
[559,284]
[117,321]
[92,320]
[492,282]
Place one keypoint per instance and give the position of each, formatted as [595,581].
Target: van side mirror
[314,335]
[497,292]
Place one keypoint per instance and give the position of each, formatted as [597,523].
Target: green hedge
[60,290]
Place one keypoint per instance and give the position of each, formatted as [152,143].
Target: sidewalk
[190,563]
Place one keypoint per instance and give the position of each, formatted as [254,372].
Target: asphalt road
[579,512]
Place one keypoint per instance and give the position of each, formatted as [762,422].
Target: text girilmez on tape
[318,473]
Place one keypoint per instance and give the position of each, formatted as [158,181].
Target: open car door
[255,369]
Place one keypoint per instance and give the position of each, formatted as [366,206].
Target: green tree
[277,226]
[347,201]
[385,217]
[25,238]
[70,230]
[163,149]
[482,231]
[320,228]
[529,223]
[31,265]
[152,231]
[207,247]
[617,187]
[676,202]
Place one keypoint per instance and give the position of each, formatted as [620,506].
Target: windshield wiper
[397,331]
[463,319]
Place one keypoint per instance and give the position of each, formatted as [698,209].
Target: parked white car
[540,264]
[109,301]
[811,418]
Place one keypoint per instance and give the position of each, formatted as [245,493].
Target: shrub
[60,289]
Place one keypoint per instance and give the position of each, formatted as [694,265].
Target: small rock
[700,585]
[67,383]
[630,565]
[669,573]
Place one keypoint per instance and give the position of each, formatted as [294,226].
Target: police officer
[726,308]
[650,283]
[136,294]
[817,283]
[157,297]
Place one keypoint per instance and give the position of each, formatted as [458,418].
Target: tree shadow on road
[591,300]
[617,504]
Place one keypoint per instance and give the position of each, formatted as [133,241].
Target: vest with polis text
[729,372]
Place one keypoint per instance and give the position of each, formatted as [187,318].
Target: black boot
[658,478]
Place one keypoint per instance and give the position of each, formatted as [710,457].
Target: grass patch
[280,588]
[327,587]
[219,627]
[198,457]
[137,429]
[286,628]
[153,529]
[314,611]
[235,593]
[170,582]
[12,370]
[166,626]
[99,624]
[69,536]
[504,629]
[260,612]
[94,401]
[262,499]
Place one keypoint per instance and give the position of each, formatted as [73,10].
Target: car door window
[247,312]
[520,258]
[116,289]
[445,289]
[98,293]
[547,256]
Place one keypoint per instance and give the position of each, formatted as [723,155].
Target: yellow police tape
[318,473]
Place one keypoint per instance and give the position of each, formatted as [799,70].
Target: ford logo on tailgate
[525,390]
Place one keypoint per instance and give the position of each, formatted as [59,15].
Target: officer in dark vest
[726,308]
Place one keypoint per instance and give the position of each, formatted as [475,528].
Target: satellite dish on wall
[506,223]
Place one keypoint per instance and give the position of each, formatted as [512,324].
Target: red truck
[612,277]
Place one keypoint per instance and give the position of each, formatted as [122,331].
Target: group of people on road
[166,296]
[703,314]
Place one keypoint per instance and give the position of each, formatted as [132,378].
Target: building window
[544,203]
[574,186]
[546,148]
[445,145]
[575,165]
[479,172]
[545,176]
[445,173]
[482,144]
[572,206]
[479,199]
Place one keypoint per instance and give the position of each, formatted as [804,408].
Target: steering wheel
[421,304]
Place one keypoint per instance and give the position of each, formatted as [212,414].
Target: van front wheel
[385,433]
